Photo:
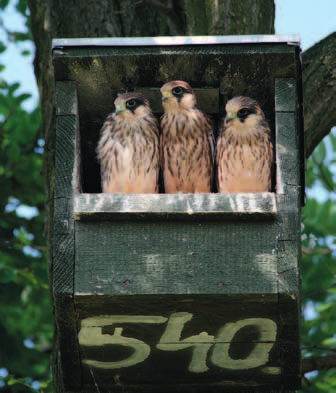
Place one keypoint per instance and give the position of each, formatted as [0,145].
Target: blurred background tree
[26,323]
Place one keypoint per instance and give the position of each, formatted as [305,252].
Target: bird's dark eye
[131,103]
[243,112]
[178,90]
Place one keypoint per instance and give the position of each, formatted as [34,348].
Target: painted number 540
[90,334]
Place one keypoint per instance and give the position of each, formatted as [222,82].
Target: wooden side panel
[288,207]
[66,182]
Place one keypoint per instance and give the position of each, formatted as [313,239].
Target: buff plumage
[244,148]
[128,149]
[185,141]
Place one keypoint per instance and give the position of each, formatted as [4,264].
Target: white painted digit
[91,335]
[259,355]
[171,341]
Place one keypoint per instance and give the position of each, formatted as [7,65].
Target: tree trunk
[105,18]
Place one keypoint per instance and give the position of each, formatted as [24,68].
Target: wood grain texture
[66,182]
[287,155]
[90,206]
[285,95]
[66,98]
[69,370]
[151,257]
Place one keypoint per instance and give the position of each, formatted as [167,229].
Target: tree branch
[318,347]
[318,363]
[319,91]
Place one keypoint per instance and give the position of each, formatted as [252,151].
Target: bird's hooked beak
[230,116]
[119,108]
[166,95]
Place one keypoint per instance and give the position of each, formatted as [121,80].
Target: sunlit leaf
[320,152]
[26,53]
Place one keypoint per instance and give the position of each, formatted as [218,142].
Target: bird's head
[177,95]
[130,105]
[244,114]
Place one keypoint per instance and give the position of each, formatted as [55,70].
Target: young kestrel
[128,149]
[244,148]
[187,161]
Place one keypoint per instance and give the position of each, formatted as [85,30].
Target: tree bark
[319,91]
[322,362]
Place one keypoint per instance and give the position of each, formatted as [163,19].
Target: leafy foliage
[26,323]
[319,263]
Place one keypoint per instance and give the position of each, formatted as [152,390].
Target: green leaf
[22,7]
[4,4]
[332,138]
[19,36]
[3,47]
[7,275]
[26,53]
[320,152]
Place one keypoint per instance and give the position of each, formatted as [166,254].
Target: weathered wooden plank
[66,98]
[289,330]
[175,257]
[259,204]
[63,216]
[63,263]
[285,95]
[67,178]
[69,364]
[287,151]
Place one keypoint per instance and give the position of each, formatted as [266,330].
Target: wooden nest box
[179,292]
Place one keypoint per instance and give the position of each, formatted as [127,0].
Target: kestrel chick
[244,148]
[187,160]
[128,149]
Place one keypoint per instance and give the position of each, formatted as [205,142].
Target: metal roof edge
[177,40]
